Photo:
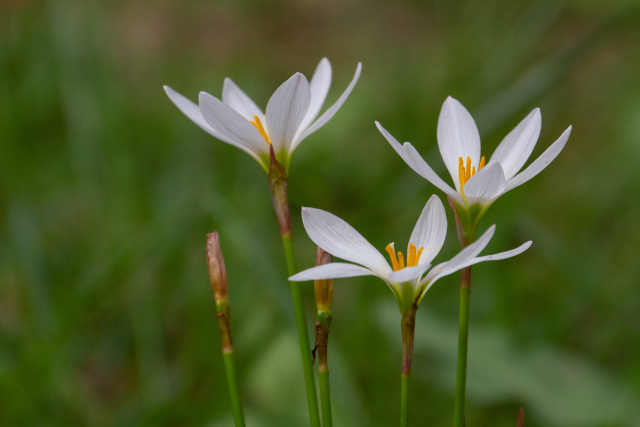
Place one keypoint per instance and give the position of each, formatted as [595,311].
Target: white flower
[405,279]
[290,115]
[477,185]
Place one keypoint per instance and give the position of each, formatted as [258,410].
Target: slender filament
[258,124]
[466,171]
[413,256]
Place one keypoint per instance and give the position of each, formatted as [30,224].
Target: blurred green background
[107,192]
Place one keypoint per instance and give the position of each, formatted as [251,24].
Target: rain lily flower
[479,183]
[290,115]
[405,276]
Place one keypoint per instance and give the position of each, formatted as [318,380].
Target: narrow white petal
[430,230]
[461,259]
[286,109]
[235,98]
[502,255]
[397,146]
[457,137]
[334,270]
[541,162]
[516,147]
[232,127]
[486,185]
[190,109]
[421,167]
[319,86]
[327,115]
[408,274]
[341,240]
[449,269]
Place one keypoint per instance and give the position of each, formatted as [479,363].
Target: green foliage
[107,192]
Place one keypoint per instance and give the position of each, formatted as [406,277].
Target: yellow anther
[392,255]
[465,172]
[413,256]
[258,124]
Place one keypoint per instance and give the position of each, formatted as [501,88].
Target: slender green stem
[463,339]
[236,404]
[325,396]
[408,326]
[404,400]
[303,336]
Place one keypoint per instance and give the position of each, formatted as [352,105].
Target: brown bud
[323,288]
[217,269]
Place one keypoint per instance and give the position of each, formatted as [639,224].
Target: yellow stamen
[413,256]
[392,255]
[258,124]
[400,260]
[465,172]
[418,254]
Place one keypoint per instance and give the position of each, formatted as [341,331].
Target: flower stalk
[218,279]
[324,295]
[408,325]
[466,238]
[278,188]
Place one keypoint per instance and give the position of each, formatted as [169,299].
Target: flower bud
[323,288]
[217,269]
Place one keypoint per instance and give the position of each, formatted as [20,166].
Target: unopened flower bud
[217,269]
[323,288]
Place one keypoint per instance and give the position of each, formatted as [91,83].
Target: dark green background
[107,192]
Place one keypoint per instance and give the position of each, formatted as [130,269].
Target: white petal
[341,240]
[541,162]
[190,109]
[461,259]
[232,127]
[476,260]
[319,86]
[286,109]
[423,169]
[486,185]
[430,230]
[334,270]
[516,147]
[502,255]
[397,146]
[235,98]
[324,118]
[457,137]
[408,274]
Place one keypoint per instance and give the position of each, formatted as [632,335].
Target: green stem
[325,396]
[303,336]
[463,340]
[408,325]
[323,323]
[236,404]
[404,400]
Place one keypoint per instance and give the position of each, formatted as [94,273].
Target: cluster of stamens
[412,257]
[258,124]
[465,172]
